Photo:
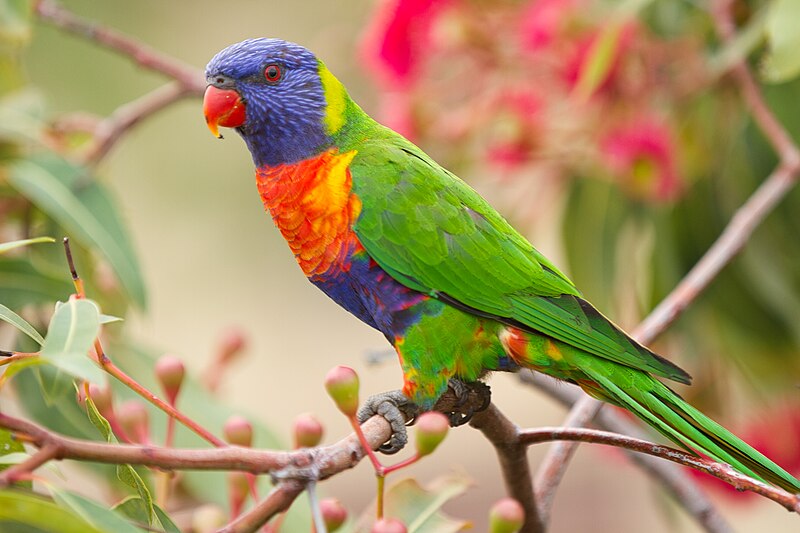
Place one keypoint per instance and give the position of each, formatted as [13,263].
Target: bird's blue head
[281,99]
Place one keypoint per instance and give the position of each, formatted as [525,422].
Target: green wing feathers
[435,234]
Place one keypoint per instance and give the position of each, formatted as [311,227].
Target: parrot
[413,251]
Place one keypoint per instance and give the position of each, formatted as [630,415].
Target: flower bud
[231,345]
[307,431]
[506,516]
[431,430]
[101,396]
[170,373]
[135,421]
[342,385]
[388,525]
[333,513]
[239,431]
[207,519]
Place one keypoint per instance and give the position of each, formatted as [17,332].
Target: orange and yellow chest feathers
[313,206]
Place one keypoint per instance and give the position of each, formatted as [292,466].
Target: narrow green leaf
[125,472]
[782,63]
[73,329]
[9,448]
[6,246]
[84,208]
[25,509]
[7,315]
[166,522]
[94,513]
[108,319]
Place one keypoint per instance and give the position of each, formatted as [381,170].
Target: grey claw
[397,410]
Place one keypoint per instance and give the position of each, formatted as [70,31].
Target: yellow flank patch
[335,96]
[552,351]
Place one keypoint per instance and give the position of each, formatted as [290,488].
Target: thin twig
[512,454]
[109,130]
[719,470]
[19,471]
[146,57]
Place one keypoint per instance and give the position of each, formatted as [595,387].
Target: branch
[719,470]
[144,56]
[513,458]
[278,500]
[310,463]
[108,131]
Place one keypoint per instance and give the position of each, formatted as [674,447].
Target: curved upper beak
[223,107]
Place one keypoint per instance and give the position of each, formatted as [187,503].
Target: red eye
[273,73]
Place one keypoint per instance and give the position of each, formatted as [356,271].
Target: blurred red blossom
[642,153]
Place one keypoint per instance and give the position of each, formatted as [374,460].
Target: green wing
[435,234]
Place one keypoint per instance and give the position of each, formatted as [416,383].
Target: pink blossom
[642,154]
[543,21]
[398,37]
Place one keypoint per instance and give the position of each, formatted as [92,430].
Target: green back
[433,233]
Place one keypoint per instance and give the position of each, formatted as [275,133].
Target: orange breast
[313,206]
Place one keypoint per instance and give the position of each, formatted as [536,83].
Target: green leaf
[19,509]
[72,331]
[134,508]
[782,63]
[9,447]
[6,246]
[7,315]
[420,509]
[125,472]
[108,319]
[21,283]
[94,513]
[84,208]
[166,522]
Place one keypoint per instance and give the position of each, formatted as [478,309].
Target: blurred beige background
[212,258]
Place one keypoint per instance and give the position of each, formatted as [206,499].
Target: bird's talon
[397,410]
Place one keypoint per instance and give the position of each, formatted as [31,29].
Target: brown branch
[108,131]
[303,464]
[278,500]
[719,470]
[683,488]
[144,56]
[512,454]
[21,470]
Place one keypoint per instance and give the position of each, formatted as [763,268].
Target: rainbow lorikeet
[414,252]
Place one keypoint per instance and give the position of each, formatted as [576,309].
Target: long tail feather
[665,411]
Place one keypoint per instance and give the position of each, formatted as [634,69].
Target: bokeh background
[621,161]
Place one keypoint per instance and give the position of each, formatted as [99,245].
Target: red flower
[543,20]
[398,38]
[642,154]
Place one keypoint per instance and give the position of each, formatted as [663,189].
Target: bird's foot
[398,410]
[462,400]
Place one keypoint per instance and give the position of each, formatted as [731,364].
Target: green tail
[663,409]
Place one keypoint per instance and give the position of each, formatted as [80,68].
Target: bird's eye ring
[273,73]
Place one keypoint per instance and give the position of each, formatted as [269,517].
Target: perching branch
[732,240]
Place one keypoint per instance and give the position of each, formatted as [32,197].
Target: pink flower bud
[333,513]
[431,430]
[342,385]
[238,431]
[307,431]
[102,398]
[135,421]
[170,373]
[388,525]
[506,516]
[231,345]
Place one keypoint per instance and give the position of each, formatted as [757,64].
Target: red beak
[223,107]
